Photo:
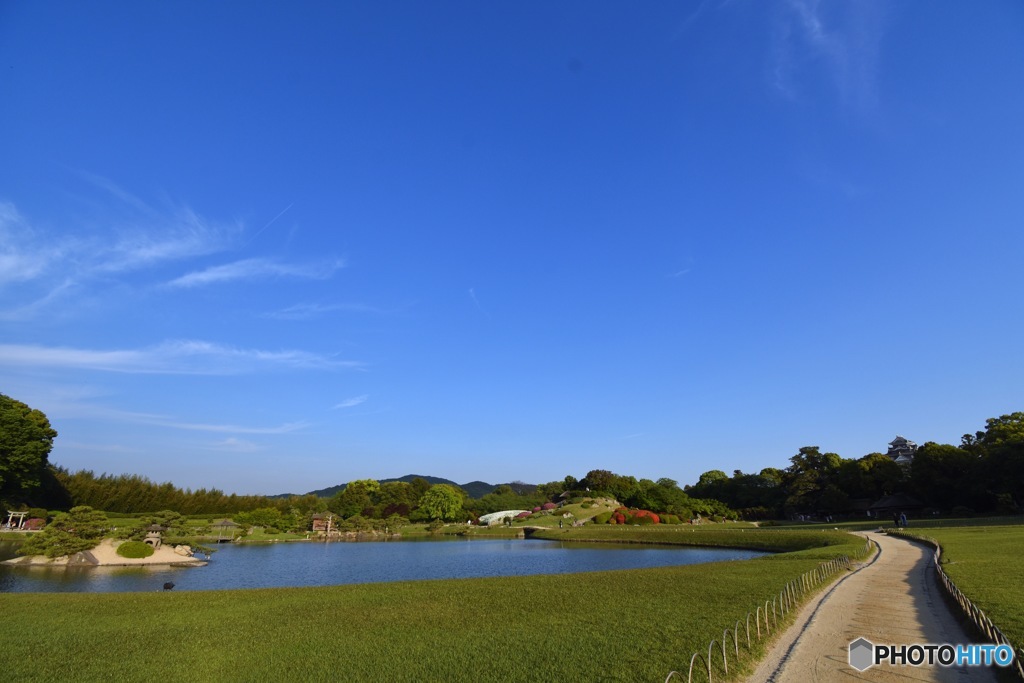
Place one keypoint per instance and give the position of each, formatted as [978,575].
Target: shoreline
[105,555]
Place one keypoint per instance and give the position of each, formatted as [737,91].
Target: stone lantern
[154,535]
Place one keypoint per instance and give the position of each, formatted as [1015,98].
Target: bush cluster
[134,549]
[627,516]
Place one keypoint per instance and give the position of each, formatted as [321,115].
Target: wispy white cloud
[352,402]
[99,447]
[476,301]
[23,255]
[172,357]
[310,311]
[302,312]
[41,266]
[115,190]
[837,42]
[286,428]
[185,235]
[257,268]
[72,408]
[35,307]
[233,445]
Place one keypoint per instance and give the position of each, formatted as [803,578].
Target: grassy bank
[987,564]
[713,535]
[623,625]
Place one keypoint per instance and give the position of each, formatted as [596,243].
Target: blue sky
[275,247]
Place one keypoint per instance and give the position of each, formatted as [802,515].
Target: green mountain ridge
[475,489]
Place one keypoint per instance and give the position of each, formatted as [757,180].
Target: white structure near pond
[499,517]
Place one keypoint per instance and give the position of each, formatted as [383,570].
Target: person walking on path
[894,599]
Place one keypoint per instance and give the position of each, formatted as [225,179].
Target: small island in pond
[105,555]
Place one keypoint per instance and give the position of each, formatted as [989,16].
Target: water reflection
[322,564]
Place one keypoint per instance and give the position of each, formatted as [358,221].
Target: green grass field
[987,564]
[604,626]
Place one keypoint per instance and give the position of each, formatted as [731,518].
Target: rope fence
[976,615]
[768,615]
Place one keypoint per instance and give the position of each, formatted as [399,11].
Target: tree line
[418,501]
[982,474]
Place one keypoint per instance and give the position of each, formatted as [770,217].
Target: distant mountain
[475,489]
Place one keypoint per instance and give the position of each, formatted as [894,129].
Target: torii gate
[11,514]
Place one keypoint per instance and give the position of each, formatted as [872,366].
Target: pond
[278,565]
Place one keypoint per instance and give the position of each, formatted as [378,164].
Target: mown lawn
[710,535]
[987,564]
[632,625]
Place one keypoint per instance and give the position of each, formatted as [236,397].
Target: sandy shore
[105,555]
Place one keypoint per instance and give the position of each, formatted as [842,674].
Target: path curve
[894,598]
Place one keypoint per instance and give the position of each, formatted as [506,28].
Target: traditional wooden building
[322,522]
[902,450]
[896,504]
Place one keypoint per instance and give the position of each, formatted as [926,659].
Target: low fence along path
[893,599]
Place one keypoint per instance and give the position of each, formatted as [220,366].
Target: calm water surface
[324,564]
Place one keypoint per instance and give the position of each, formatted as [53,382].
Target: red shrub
[648,514]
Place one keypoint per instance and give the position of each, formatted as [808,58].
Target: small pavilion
[225,526]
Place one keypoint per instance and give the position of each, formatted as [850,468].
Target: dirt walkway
[894,599]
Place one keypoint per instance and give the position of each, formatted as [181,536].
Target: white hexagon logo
[862,654]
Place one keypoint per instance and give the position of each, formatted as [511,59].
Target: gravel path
[893,599]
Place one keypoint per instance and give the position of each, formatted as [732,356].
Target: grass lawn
[633,625]
[987,564]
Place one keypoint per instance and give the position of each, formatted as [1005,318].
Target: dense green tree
[623,487]
[871,477]
[711,484]
[662,496]
[504,498]
[357,498]
[26,439]
[598,481]
[419,487]
[81,528]
[760,495]
[441,502]
[1003,443]
[268,518]
[808,477]
[551,490]
[175,524]
[134,494]
[1005,429]
[395,498]
[945,476]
